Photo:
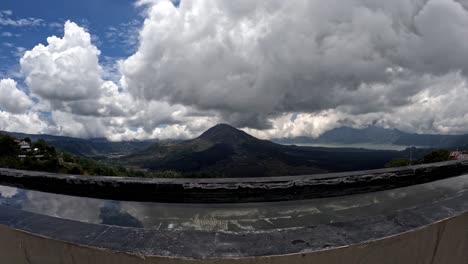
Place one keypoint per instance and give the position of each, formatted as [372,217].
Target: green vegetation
[42,157]
[398,162]
[434,156]
[437,155]
[94,147]
[8,146]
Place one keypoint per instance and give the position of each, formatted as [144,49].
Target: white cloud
[276,68]
[8,192]
[6,19]
[65,75]
[27,123]
[8,44]
[55,25]
[124,35]
[302,124]
[6,12]
[67,69]
[19,52]
[12,99]
[69,81]
[68,207]
[253,61]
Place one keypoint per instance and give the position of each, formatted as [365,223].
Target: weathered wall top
[232,190]
[200,244]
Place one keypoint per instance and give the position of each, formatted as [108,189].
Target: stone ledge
[232,190]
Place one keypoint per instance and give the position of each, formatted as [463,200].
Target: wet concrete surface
[226,231]
[230,217]
[412,215]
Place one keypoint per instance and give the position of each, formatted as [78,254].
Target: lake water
[360,145]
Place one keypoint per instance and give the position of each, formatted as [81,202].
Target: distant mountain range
[379,135]
[95,148]
[224,151]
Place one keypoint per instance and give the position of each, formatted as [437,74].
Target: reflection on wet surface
[231,217]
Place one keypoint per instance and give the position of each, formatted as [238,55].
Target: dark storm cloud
[253,60]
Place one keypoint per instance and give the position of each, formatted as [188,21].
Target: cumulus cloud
[254,61]
[15,110]
[12,99]
[275,68]
[69,81]
[66,77]
[30,122]
[67,69]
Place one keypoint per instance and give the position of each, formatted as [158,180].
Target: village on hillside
[26,149]
[24,154]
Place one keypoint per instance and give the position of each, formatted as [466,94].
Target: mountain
[379,135]
[226,134]
[96,147]
[224,151]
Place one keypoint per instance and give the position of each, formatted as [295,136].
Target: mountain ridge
[379,135]
[103,148]
[94,147]
[224,151]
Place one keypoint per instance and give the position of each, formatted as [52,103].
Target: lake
[358,145]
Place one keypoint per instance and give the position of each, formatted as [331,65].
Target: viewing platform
[416,214]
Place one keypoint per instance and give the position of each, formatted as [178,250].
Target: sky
[123,69]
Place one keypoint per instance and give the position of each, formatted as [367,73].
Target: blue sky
[109,21]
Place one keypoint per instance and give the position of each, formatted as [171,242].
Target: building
[25,148]
[458,155]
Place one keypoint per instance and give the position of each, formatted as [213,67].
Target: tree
[41,144]
[8,146]
[398,162]
[51,164]
[437,155]
[76,170]
[67,157]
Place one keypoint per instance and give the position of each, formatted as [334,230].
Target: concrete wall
[445,242]
[233,190]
